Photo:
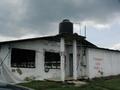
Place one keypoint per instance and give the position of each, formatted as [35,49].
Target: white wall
[40,46]
[102,63]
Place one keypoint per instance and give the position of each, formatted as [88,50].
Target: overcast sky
[33,18]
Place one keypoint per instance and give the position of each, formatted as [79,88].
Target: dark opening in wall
[22,58]
[52,60]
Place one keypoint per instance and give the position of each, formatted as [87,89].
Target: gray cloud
[42,16]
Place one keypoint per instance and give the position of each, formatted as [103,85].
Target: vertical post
[62,61]
[74,59]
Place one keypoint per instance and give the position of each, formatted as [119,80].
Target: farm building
[64,56]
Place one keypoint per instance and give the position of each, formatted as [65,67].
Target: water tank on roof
[66,27]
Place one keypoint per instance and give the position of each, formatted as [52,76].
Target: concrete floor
[59,79]
[69,80]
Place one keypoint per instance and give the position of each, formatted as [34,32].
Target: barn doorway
[70,65]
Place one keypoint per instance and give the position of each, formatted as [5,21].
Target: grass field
[111,83]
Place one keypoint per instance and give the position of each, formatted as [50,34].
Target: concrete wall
[40,46]
[102,63]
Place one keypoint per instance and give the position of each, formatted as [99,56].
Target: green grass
[112,83]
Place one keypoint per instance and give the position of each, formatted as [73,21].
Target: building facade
[61,57]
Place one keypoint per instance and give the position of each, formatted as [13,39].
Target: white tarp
[6,75]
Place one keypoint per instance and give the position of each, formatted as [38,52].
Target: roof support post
[62,61]
[74,59]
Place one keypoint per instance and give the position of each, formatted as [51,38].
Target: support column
[74,60]
[62,61]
